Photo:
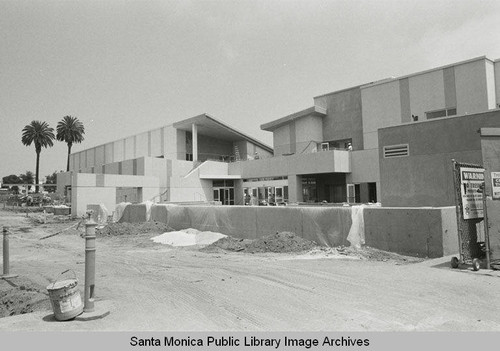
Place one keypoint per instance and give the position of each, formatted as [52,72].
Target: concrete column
[294,188]
[195,142]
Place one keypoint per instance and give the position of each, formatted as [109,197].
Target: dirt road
[149,286]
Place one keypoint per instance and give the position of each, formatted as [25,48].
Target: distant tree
[70,130]
[27,178]
[51,179]
[12,179]
[41,135]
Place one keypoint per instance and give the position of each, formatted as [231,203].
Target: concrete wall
[490,84]
[307,129]
[365,169]
[344,116]
[424,232]
[427,93]
[281,140]
[99,188]
[185,184]
[490,146]
[497,82]
[381,107]
[320,162]
[424,178]
[165,141]
[472,94]
[326,226]
[155,143]
[469,86]
[63,179]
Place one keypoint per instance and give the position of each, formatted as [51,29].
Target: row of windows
[441,113]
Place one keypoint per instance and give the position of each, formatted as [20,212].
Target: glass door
[224,195]
[279,195]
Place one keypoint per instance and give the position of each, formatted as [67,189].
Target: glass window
[218,183]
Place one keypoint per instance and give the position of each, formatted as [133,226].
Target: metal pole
[6,258]
[486,229]
[89,265]
[458,202]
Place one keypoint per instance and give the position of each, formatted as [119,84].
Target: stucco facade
[369,117]
[334,151]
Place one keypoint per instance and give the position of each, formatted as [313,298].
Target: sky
[124,67]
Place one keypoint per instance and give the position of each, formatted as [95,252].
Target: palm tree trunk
[37,168]
[69,152]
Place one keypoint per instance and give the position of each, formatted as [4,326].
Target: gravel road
[149,286]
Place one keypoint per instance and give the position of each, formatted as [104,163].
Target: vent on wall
[401,150]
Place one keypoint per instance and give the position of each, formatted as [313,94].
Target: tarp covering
[356,234]
[117,214]
[324,225]
[134,213]
[188,237]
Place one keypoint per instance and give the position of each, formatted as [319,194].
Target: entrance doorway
[224,195]
[224,191]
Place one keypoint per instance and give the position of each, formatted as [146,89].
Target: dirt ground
[280,282]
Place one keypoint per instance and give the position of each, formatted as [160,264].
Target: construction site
[360,217]
[190,268]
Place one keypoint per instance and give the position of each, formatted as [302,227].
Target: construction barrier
[326,226]
[424,231]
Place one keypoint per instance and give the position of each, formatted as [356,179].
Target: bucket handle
[60,274]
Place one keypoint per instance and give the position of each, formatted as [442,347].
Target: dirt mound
[118,229]
[228,243]
[19,296]
[279,242]
[370,253]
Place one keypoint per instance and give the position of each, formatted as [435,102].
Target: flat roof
[342,90]
[437,120]
[211,126]
[388,80]
[316,111]
[220,176]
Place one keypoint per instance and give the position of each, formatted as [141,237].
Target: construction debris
[118,229]
[188,237]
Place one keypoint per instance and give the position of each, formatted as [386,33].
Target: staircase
[237,153]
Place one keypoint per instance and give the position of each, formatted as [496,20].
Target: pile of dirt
[19,296]
[228,243]
[287,242]
[279,242]
[119,229]
[370,253]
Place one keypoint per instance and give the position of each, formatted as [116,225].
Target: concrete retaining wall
[425,232]
[327,226]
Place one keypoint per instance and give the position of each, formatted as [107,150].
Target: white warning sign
[495,185]
[471,180]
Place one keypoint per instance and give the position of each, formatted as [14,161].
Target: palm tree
[70,130]
[40,134]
